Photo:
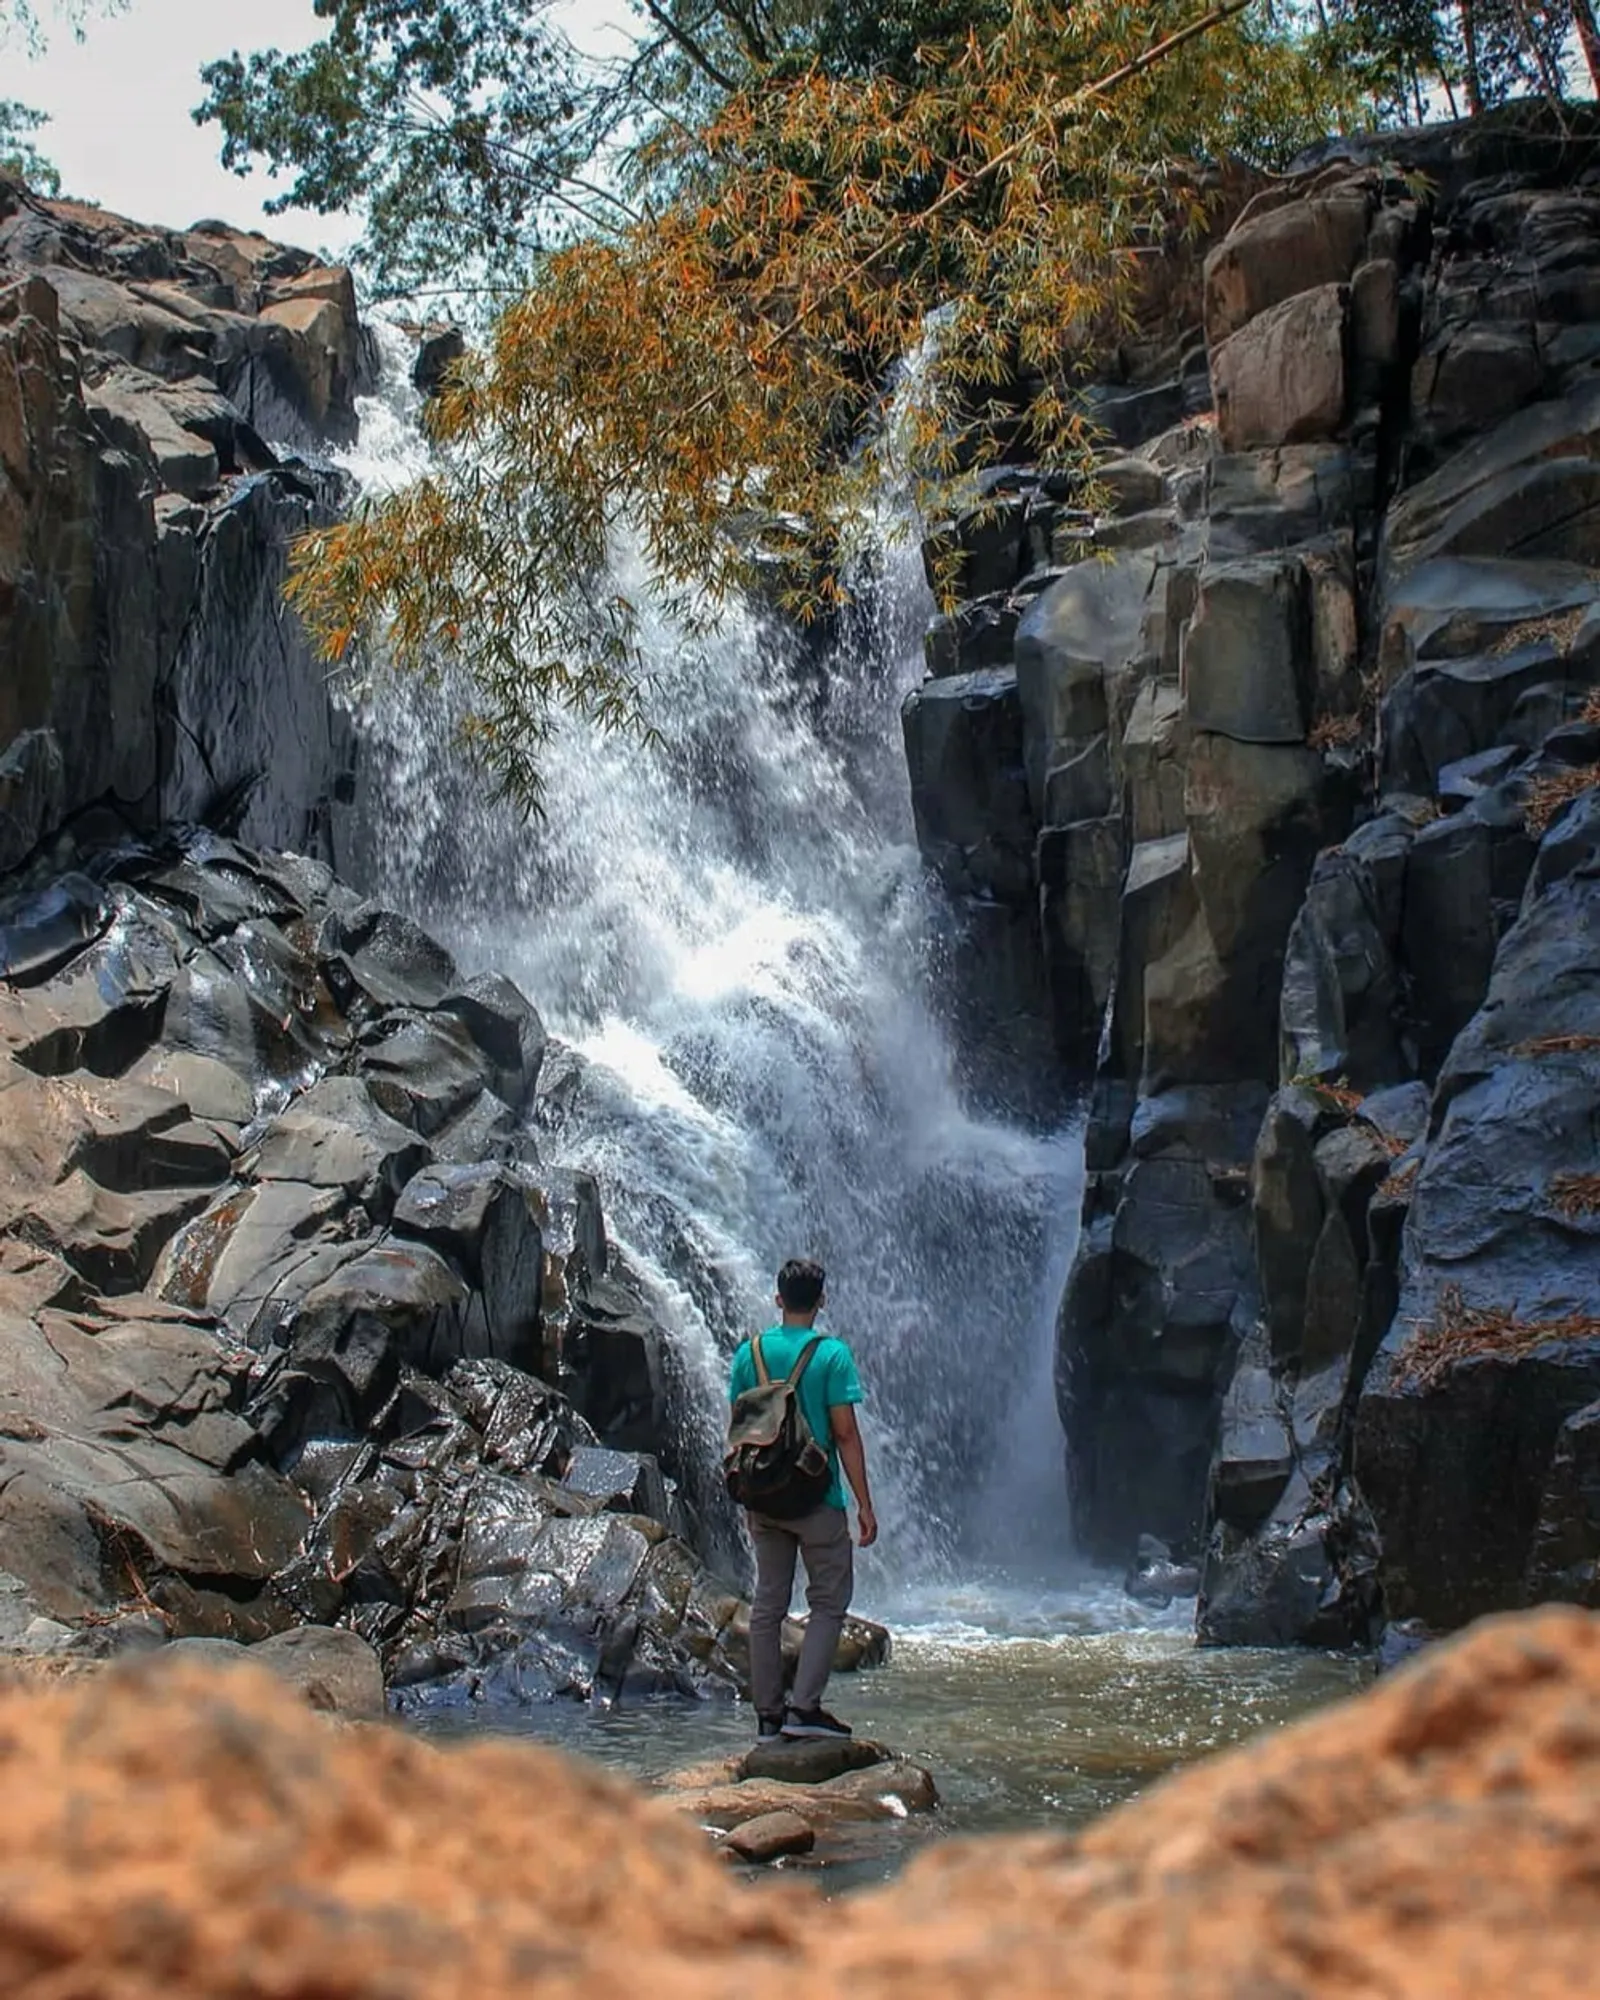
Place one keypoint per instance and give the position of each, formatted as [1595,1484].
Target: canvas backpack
[773,1463]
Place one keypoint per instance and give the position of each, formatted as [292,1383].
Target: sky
[119,102]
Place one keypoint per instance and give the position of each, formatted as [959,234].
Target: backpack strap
[762,1375]
[804,1361]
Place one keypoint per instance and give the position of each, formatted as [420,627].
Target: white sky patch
[120,100]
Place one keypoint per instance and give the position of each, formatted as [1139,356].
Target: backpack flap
[773,1464]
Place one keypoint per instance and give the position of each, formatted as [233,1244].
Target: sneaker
[769,1729]
[814,1722]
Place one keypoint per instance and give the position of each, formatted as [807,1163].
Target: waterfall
[731,931]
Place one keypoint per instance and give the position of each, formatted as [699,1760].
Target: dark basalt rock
[266,1359]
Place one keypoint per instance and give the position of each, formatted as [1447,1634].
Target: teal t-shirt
[830,1380]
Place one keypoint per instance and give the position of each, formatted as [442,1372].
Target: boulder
[964,747]
[1277,253]
[1281,378]
[336,1137]
[770,1836]
[487,1221]
[333,1670]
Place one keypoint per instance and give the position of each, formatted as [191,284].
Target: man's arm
[853,1457]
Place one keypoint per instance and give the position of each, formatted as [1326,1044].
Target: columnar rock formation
[1275,763]
[156,388]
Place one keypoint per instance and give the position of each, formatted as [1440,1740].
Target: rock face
[286,1292]
[1311,762]
[1434,1837]
[155,389]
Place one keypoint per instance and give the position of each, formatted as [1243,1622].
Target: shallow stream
[1034,1705]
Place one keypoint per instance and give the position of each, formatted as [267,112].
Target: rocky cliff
[1274,759]
[157,390]
[296,1324]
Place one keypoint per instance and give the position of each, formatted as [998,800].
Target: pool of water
[1033,1705]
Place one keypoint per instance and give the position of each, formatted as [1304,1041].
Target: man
[828,1393]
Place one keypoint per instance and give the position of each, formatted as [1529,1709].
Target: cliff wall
[156,390]
[1273,761]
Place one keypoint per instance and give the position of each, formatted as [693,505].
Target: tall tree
[474,136]
[715,375]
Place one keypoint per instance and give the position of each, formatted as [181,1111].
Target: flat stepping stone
[770,1837]
[810,1760]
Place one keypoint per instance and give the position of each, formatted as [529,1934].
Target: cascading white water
[732,929]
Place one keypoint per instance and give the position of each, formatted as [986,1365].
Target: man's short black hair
[800,1284]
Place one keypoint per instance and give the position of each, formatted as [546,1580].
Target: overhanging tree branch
[690,46]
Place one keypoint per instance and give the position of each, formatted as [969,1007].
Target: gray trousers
[821,1540]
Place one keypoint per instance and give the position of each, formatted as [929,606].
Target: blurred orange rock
[177,1833]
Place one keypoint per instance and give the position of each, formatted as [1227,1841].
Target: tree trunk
[1469,45]
[1589,36]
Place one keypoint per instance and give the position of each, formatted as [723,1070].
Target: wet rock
[809,1760]
[1308,1578]
[488,1223]
[335,1136]
[770,1837]
[627,1481]
[617,1375]
[341,1344]
[526,1425]
[1155,1579]
[963,738]
[103,1008]
[506,1026]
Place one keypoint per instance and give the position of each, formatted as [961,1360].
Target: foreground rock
[1434,1838]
